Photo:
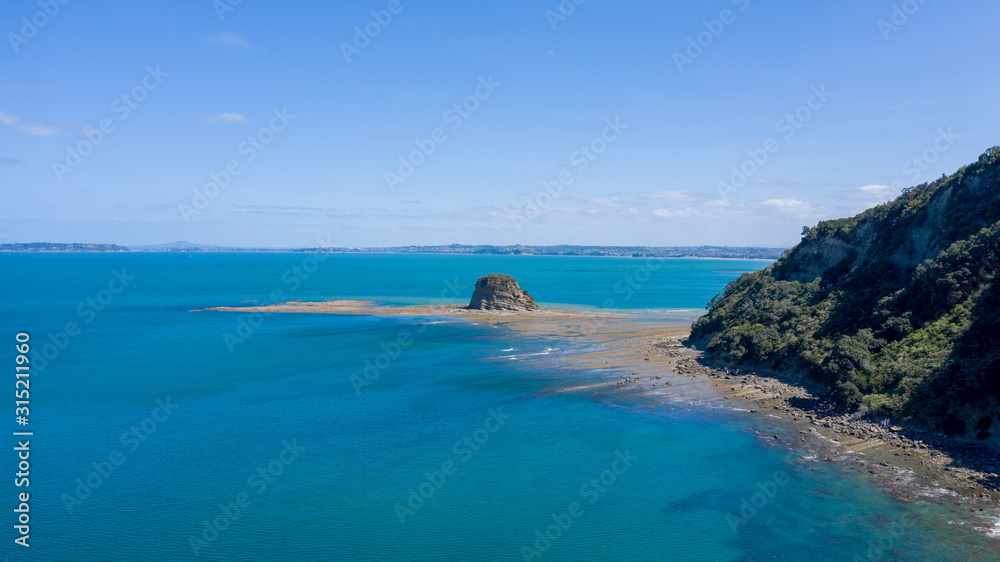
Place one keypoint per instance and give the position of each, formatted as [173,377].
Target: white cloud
[224,118]
[30,129]
[874,192]
[718,203]
[675,196]
[229,39]
[787,204]
[39,130]
[668,214]
[609,201]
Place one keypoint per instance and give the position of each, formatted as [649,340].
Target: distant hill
[576,250]
[55,247]
[894,310]
[513,250]
[173,246]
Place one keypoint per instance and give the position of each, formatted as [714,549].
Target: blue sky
[531,122]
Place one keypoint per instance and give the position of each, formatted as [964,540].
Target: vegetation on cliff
[894,310]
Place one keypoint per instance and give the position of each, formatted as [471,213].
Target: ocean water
[165,433]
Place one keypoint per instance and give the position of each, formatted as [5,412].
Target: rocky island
[499,291]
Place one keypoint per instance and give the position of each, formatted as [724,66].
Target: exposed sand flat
[545,315]
[649,356]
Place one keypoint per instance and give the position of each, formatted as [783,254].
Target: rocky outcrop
[499,291]
[894,311]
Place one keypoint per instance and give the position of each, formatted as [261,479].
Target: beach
[651,357]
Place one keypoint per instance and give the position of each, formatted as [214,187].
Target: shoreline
[649,356]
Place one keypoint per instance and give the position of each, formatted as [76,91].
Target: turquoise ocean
[166,433]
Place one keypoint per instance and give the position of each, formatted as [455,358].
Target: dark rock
[501,292]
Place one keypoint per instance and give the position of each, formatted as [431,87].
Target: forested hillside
[894,310]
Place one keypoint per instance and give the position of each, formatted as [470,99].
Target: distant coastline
[708,252]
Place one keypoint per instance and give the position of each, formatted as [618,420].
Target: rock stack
[499,291]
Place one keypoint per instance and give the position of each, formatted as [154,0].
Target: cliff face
[894,310]
[501,292]
[919,225]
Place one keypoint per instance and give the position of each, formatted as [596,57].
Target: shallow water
[386,438]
